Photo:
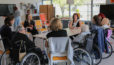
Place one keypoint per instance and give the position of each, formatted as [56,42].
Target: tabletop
[70,32]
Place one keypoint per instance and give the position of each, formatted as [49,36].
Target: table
[70,32]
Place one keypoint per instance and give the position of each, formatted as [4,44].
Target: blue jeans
[17,21]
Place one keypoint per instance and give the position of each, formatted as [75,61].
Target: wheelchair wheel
[107,54]
[96,55]
[82,57]
[30,59]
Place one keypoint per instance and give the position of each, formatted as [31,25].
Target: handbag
[22,54]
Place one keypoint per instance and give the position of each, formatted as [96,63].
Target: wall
[17,2]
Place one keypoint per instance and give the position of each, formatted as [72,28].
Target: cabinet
[48,10]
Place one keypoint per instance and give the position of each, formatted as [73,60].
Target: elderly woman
[104,22]
[30,46]
[56,28]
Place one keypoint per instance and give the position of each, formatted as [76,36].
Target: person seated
[30,46]
[76,23]
[81,37]
[105,23]
[29,24]
[56,29]
[95,23]
[6,31]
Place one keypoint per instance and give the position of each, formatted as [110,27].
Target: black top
[6,35]
[60,33]
[78,24]
[27,24]
[19,36]
[16,44]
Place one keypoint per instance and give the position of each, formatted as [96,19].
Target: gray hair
[19,28]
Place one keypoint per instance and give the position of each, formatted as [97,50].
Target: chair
[60,50]
[2,49]
[39,26]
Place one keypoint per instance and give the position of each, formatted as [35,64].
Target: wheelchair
[81,55]
[90,53]
[28,59]
[96,54]
[106,55]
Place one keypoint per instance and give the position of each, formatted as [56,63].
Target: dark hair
[28,11]
[15,8]
[8,19]
[97,20]
[76,15]
[27,16]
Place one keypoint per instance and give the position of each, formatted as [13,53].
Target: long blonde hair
[56,24]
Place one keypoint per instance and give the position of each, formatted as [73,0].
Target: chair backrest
[61,45]
[58,44]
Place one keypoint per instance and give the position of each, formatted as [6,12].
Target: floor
[108,61]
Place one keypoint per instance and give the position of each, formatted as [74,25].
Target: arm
[70,25]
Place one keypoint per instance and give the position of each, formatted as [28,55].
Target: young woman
[6,32]
[29,24]
[76,23]
[56,28]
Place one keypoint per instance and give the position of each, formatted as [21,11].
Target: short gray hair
[19,28]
